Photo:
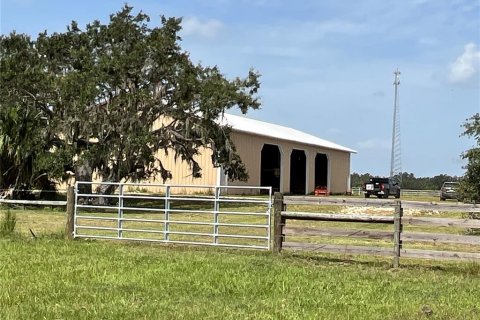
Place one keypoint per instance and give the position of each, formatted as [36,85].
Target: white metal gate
[187,214]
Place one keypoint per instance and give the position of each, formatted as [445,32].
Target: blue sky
[327,66]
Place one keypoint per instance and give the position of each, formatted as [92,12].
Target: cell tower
[396,160]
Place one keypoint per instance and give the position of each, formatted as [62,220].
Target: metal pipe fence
[420,193]
[214,217]
[357,191]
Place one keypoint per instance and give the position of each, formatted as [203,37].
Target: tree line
[409,181]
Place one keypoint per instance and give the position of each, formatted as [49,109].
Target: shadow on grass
[469,267]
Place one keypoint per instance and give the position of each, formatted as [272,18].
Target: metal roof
[244,124]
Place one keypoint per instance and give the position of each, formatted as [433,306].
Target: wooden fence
[282,230]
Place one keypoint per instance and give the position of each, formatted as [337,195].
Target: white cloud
[466,68]
[207,29]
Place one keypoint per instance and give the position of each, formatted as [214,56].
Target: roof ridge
[263,128]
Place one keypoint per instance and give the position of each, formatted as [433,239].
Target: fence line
[357,191]
[282,230]
[34,202]
[420,193]
[121,217]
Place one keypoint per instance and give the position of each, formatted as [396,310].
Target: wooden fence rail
[282,229]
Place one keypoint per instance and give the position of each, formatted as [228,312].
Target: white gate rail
[175,215]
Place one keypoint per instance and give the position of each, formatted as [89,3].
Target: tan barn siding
[339,172]
[181,171]
[249,147]
[181,175]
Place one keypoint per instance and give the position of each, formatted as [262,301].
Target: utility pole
[396,157]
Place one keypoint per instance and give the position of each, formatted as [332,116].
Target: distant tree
[470,184]
[90,100]
[357,179]
[409,181]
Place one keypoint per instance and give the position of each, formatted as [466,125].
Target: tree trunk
[83,172]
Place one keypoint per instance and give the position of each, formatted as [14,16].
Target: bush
[7,225]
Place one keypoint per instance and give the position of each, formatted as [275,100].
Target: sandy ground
[386,211]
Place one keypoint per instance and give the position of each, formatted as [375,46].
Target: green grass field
[51,278]
[47,277]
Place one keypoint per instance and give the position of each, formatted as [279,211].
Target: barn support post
[70,212]
[278,222]
[397,231]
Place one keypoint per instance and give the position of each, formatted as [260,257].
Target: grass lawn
[51,278]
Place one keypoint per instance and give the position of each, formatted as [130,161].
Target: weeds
[472,231]
[8,223]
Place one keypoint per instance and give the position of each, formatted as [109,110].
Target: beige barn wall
[339,171]
[249,146]
[182,174]
[181,171]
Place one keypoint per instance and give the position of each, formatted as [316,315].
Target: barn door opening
[298,172]
[270,167]
[321,170]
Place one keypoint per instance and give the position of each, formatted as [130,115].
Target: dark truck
[382,188]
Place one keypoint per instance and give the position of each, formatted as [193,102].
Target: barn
[288,160]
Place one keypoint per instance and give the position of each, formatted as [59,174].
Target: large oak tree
[90,99]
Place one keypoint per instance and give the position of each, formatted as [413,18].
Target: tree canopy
[470,184]
[94,98]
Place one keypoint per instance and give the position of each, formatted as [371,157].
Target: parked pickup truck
[382,188]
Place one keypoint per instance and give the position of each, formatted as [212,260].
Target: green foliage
[409,181]
[470,184]
[94,97]
[357,179]
[22,125]
[8,223]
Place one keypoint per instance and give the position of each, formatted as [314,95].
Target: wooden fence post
[397,231]
[277,222]
[70,212]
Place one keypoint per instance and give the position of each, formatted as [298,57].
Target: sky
[327,66]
